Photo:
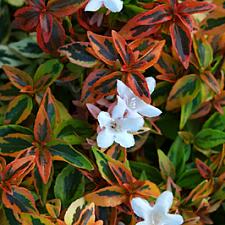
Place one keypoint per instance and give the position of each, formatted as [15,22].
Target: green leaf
[19,200]
[103,167]
[209,138]
[61,151]
[11,220]
[14,138]
[27,47]
[35,219]
[189,179]
[151,172]
[179,153]
[19,78]
[166,167]
[69,185]
[5,26]
[203,51]
[18,109]
[77,53]
[73,131]
[8,91]
[41,188]
[8,57]
[183,91]
[186,111]
[216,121]
[47,73]
[161,92]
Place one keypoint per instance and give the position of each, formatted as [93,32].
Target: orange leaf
[107,197]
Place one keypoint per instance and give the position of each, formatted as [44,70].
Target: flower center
[115,126]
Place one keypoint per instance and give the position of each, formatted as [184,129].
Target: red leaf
[191,7]
[56,39]
[122,48]
[19,200]
[16,170]
[92,78]
[46,22]
[136,81]
[103,48]
[146,23]
[37,3]
[27,18]
[211,81]
[202,111]
[187,21]
[149,58]
[62,8]
[121,173]
[181,40]
[105,86]
[203,169]
[44,163]
[42,127]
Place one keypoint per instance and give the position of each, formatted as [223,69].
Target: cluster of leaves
[55,58]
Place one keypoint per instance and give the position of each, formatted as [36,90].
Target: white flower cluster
[112,5]
[158,214]
[125,118]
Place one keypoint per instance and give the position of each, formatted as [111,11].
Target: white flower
[134,103]
[158,214]
[116,127]
[112,5]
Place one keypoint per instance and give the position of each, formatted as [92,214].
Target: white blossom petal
[123,91]
[141,207]
[148,110]
[104,119]
[132,124]
[151,82]
[164,202]
[119,109]
[105,138]
[93,5]
[171,219]
[125,139]
[143,223]
[113,5]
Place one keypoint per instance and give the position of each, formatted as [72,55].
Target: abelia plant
[112,112]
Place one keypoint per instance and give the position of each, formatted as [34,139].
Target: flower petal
[114,5]
[125,139]
[164,202]
[141,207]
[143,223]
[123,91]
[132,124]
[119,109]
[151,82]
[173,219]
[104,119]
[147,110]
[93,5]
[105,138]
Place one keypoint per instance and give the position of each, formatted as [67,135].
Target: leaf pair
[122,61]
[14,197]
[43,146]
[46,20]
[21,106]
[177,16]
[123,185]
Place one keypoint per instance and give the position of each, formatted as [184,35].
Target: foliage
[59,70]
